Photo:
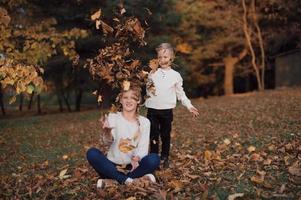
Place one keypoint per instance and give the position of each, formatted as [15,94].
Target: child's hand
[194,111]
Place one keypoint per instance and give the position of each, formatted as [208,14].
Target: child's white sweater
[169,87]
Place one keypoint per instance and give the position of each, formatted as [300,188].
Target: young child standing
[130,132]
[168,85]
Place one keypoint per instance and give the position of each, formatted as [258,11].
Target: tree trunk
[39,104]
[78,99]
[229,63]
[30,101]
[259,36]
[1,100]
[21,102]
[249,42]
[228,80]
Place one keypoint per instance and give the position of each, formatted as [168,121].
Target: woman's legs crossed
[103,166]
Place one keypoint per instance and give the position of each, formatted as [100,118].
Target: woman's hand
[194,111]
[135,162]
[104,122]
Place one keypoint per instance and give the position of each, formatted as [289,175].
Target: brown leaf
[295,169]
[234,196]
[207,155]
[177,185]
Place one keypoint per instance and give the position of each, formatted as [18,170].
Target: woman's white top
[135,139]
[168,88]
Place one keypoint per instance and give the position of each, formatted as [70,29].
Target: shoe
[165,162]
[100,184]
[151,177]
[103,183]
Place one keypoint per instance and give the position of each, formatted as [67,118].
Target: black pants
[160,126]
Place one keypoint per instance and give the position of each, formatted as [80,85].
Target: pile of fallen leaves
[241,147]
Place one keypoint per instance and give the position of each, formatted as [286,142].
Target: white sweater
[169,87]
[122,130]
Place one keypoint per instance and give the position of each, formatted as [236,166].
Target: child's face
[164,58]
[129,101]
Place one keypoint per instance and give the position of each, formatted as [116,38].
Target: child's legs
[147,165]
[154,130]
[103,166]
[165,130]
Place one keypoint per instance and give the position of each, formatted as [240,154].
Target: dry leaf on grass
[234,196]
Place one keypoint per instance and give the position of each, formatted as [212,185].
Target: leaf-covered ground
[245,145]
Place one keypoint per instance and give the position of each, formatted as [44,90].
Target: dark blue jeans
[108,170]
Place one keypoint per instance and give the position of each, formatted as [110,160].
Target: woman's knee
[92,153]
[153,160]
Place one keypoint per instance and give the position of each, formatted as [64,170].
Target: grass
[35,149]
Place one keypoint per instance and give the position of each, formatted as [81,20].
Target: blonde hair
[137,93]
[167,47]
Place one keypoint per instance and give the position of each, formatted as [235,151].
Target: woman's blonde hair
[168,47]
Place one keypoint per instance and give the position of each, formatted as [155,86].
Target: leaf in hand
[153,64]
[125,145]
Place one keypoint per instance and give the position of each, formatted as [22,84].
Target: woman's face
[164,58]
[129,101]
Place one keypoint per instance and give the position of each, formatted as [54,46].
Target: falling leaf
[95,92]
[184,48]
[122,11]
[96,15]
[126,85]
[234,196]
[99,98]
[153,64]
[65,157]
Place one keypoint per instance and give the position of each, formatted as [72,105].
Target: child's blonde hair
[137,93]
[167,47]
